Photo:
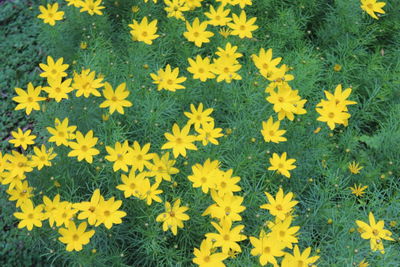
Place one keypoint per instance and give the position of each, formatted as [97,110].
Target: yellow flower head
[358,190]
[144,31]
[201,68]
[205,256]
[83,148]
[219,16]
[74,237]
[372,7]
[199,117]
[53,70]
[281,206]
[42,157]
[58,89]
[108,212]
[227,237]
[175,8]
[241,26]
[115,100]
[197,32]
[91,6]
[86,84]
[22,139]
[28,99]
[62,133]
[173,216]
[281,164]
[30,215]
[179,140]
[354,167]
[168,79]
[50,14]
[271,131]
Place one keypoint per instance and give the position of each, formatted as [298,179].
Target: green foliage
[311,36]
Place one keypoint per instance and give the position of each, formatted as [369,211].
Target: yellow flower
[363,263]
[205,256]
[20,193]
[91,6]
[209,134]
[205,175]
[227,237]
[242,3]
[88,209]
[241,26]
[28,99]
[299,259]
[131,184]
[283,233]
[53,70]
[168,79]
[83,45]
[281,164]
[17,165]
[197,32]
[337,67]
[229,206]
[51,14]
[354,167]
[50,208]
[115,100]
[226,69]
[201,68]
[121,155]
[74,237]
[372,6]
[58,89]
[173,216]
[22,139]
[83,148]
[271,132]
[375,232]
[229,53]
[135,9]
[218,17]
[144,31]
[358,190]
[332,114]
[162,168]
[86,83]
[267,248]
[281,206]
[108,213]
[226,184]
[30,215]
[42,157]
[225,32]
[62,133]
[199,117]
[179,140]
[141,156]
[265,63]
[175,8]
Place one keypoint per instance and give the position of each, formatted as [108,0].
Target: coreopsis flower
[20,193]
[354,167]
[17,165]
[53,70]
[225,32]
[162,168]
[241,26]
[86,84]
[372,7]
[358,191]
[197,32]
[337,67]
[22,139]
[201,68]
[74,237]
[144,32]
[93,7]
[206,256]
[50,14]
[83,148]
[340,97]
[193,4]
[13,181]
[226,184]
[205,175]
[219,16]
[28,99]
[88,209]
[227,237]
[299,259]
[226,70]
[154,1]
[132,183]
[58,89]
[175,8]
[168,79]
[280,206]
[62,133]
[227,207]
[75,3]
[242,3]
[375,232]
[271,131]
[267,248]
[332,114]
[363,263]
[282,232]
[141,156]
[115,100]
[179,140]
[50,208]
[199,117]
[108,212]
[3,162]
[64,213]
[150,192]
[121,155]
[42,157]
[229,53]
[265,63]
[173,217]
[209,134]
[30,215]
[283,99]
[281,164]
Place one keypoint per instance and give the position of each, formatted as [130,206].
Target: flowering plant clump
[191,132]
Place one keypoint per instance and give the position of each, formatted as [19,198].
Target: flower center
[84,148]
[196,34]
[203,179]
[242,27]
[107,213]
[114,99]
[30,216]
[29,99]
[223,184]
[226,237]
[279,207]
[206,259]
[179,140]
[331,115]
[132,186]
[172,214]
[75,237]
[267,250]
[144,34]
[58,90]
